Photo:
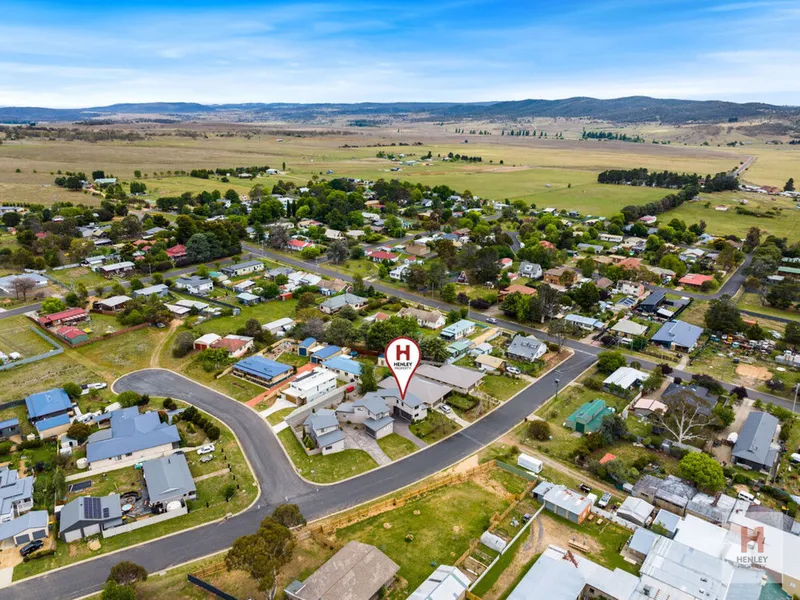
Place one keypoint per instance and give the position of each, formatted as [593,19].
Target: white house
[432,319]
[310,386]
[16,494]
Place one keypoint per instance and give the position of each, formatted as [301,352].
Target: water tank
[174,505]
[82,463]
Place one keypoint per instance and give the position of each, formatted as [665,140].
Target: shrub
[539,430]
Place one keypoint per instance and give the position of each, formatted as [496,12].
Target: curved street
[278,480]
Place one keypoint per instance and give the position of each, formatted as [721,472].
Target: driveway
[359,439]
[277,478]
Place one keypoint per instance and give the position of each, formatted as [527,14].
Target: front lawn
[265,312]
[396,446]
[434,427]
[325,469]
[503,387]
[279,415]
[441,525]
[235,387]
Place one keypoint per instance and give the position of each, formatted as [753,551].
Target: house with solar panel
[87,516]
[49,412]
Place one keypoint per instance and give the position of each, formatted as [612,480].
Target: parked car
[88,387]
[795,458]
[446,409]
[513,370]
[31,547]
[584,488]
[491,320]
[604,500]
[207,449]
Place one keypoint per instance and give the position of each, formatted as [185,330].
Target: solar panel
[91,508]
[105,513]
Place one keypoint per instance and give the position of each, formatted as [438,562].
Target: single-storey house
[322,427]
[336,303]
[168,480]
[243,268]
[624,380]
[195,285]
[636,510]
[331,287]
[432,394]
[235,345]
[248,299]
[588,417]
[120,268]
[309,386]
[445,583]
[678,335]
[585,323]
[755,447]
[25,528]
[671,493]
[262,371]
[564,502]
[695,279]
[8,283]
[323,353]
[16,494]
[279,327]
[628,328]
[297,245]
[49,404]
[644,407]
[526,347]
[132,437]
[345,368]
[87,516]
[458,378]
[356,572]
[432,319]
[64,317]
[382,255]
[9,428]
[52,426]
[113,304]
[516,288]
[159,289]
[489,363]
[458,330]
[530,270]
[458,349]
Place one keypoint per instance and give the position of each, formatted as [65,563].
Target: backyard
[325,469]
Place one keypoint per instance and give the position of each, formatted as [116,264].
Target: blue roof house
[678,335]
[8,428]
[325,353]
[52,426]
[132,438]
[51,403]
[346,368]
[304,347]
[262,371]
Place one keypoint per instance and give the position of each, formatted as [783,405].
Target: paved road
[278,480]
[730,287]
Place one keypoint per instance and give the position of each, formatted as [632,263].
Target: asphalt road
[730,287]
[278,481]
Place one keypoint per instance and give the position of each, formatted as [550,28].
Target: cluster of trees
[641,176]
[610,135]
[198,419]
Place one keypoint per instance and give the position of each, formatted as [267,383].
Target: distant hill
[633,109]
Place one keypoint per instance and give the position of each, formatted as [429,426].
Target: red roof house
[72,334]
[71,315]
[695,279]
[177,251]
[379,255]
[630,263]
[547,245]
[298,245]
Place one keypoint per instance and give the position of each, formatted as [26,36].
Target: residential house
[329,287]
[603,283]
[652,303]
[644,407]
[594,248]
[333,235]
[382,255]
[630,263]
[636,510]
[345,368]
[248,299]
[588,417]
[279,327]
[630,288]
[304,347]
[526,348]
[243,268]
[177,253]
[335,303]
[243,286]
[609,237]
[458,330]
[415,248]
[114,304]
[158,289]
[560,574]
[715,509]
[585,323]
[356,572]
[72,335]
[624,380]
[694,394]
[430,393]
[26,528]
[323,353]
[671,493]
[790,272]
[199,286]
[322,427]
[9,428]
[64,317]
[458,378]
[553,276]
[399,273]
[296,245]
[529,270]
[563,501]
[16,494]
[517,289]
[235,345]
[755,447]
[44,406]
[628,328]
[372,411]
[309,386]
[490,364]
[432,319]
[678,336]
[458,349]
[262,371]
[445,583]
[87,516]
[695,280]
[132,437]
[167,480]
[120,268]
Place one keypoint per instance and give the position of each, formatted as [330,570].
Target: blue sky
[80,54]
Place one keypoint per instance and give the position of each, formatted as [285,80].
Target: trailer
[529,463]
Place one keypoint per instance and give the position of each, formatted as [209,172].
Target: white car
[491,320]
[88,387]
[446,409]
[513,370]
[207,449]
[795,458]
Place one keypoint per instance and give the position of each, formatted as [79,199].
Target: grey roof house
[754,446]
[26,528]
[672,493]
[678,335]
[87,516]
[322,427]
[132,437]
[16,493]
[526,347]
[356,572]
[168,479]
[337,303]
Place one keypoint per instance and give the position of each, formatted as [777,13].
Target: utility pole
[794,402]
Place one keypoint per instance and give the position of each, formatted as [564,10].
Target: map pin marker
[402,357]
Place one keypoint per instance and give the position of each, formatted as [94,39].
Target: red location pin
[402,358]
